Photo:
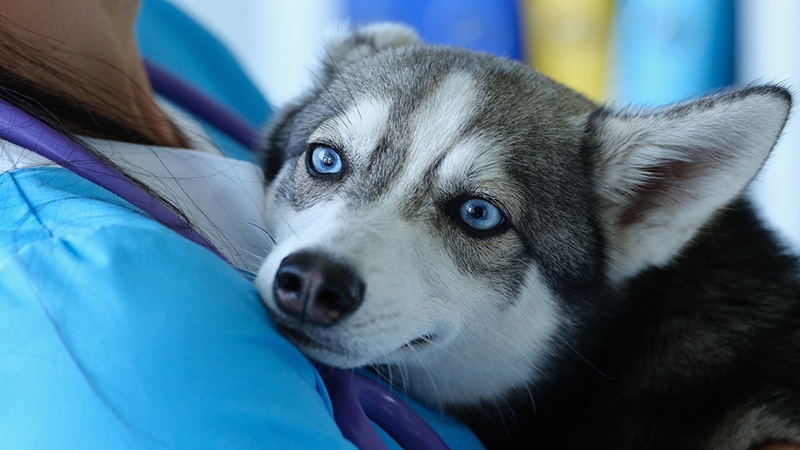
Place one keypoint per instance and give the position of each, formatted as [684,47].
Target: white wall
[276,41]
[768,47]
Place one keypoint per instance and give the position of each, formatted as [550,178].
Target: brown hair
[66,113]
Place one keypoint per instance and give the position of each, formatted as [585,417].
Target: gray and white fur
[556,273]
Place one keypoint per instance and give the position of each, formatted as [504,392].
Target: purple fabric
[201,106]
[356,399]
[20,128]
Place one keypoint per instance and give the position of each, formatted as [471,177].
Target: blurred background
[643,52]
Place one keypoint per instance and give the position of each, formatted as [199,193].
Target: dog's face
[414,174]
[439,211]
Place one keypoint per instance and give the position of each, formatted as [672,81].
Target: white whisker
[583,358]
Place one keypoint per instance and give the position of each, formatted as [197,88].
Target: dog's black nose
[316,289]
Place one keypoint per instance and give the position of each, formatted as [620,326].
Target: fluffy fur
[630,298]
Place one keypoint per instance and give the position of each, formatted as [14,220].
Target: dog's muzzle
[316,289]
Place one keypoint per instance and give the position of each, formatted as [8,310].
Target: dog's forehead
[386,136]
[410,154]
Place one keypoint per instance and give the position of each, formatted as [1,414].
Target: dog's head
[448,212]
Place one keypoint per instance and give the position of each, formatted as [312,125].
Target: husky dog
[556,273]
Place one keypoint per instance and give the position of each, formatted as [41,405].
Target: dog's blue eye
[325,161]
[480,215]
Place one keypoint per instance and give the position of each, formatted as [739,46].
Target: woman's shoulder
[112,319]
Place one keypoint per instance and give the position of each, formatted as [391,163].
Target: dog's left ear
[663,173]
[351,46]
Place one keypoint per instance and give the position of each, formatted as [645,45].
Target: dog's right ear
[351,46]
[664,173]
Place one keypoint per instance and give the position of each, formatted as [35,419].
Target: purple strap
[223,119]
[19,128]
[356,399]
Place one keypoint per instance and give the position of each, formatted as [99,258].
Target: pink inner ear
[664,185]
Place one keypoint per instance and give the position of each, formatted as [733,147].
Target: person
[115,331]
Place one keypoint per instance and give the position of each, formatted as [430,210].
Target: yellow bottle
[567,40]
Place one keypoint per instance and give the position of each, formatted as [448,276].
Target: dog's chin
[333,352]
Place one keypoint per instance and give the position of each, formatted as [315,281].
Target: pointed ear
[351,46]
[664,173]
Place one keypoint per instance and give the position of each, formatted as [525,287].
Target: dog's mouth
[303,340]
[308,342]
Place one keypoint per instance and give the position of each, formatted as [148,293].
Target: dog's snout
[316,289]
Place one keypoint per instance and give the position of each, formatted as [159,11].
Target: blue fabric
[116,332]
